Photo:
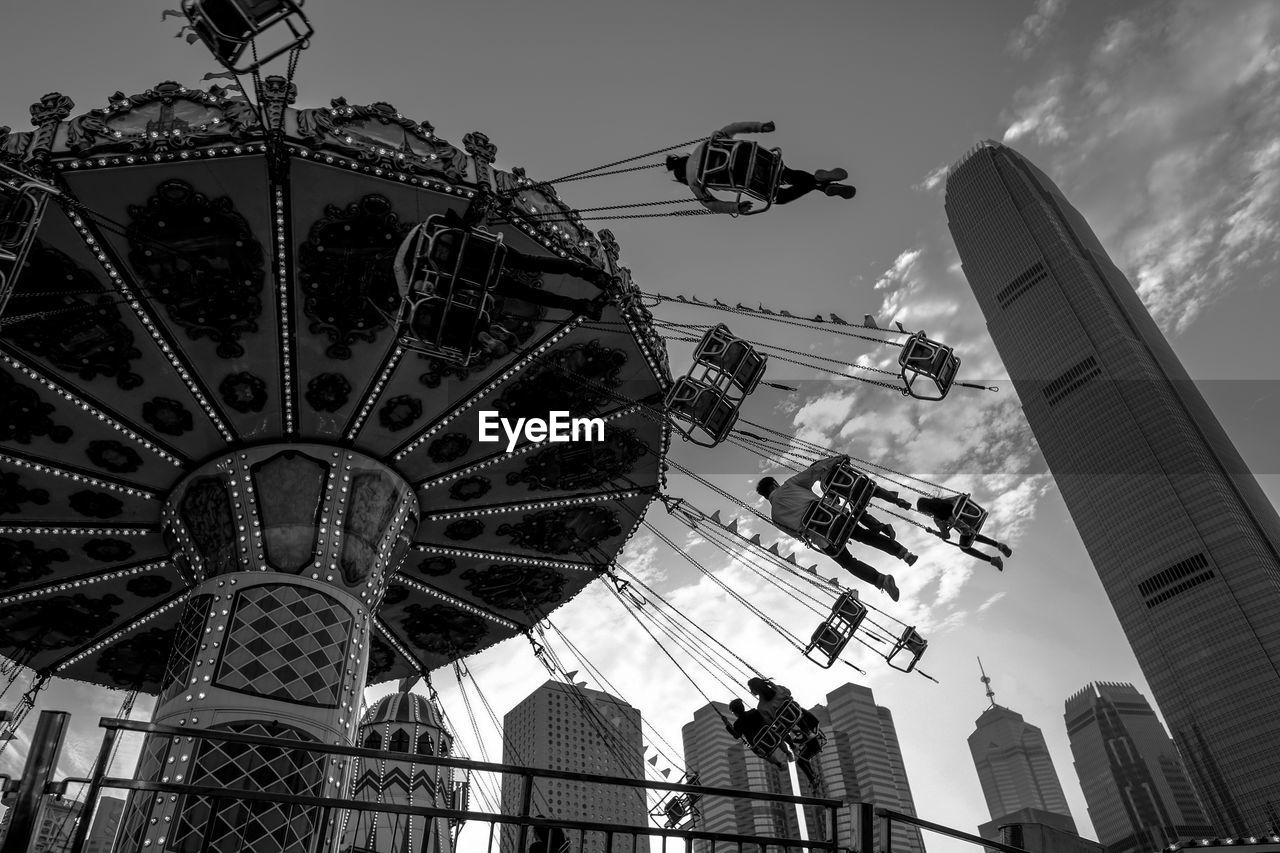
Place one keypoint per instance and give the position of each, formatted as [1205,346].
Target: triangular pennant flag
[901,328]
[715,516]
[785,313]
[869,322]
[680,298]
[580,684]
[763,310]
[791,558]
[732,526]
[813,570]
[742,307]
[568,676]
[697,300]
[653,759]
[773,549]
[666,774]
[817,318]
[837,320]
[718,302]
[755,540]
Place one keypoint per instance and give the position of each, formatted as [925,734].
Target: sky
[1160,122]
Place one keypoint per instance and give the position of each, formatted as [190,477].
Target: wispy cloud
[933,180]
[1173,125]
[1035,27]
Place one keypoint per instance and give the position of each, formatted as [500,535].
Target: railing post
[95,786]
[42,760]
[526,798]
[866,828]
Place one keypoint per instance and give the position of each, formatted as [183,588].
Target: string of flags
[868,322]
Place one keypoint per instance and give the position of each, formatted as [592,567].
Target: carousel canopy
[211,276]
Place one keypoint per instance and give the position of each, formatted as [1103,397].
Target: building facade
[862,762]
[1138,793]
[722,761]
[565,727]
[1015,769]
[106,820]
[1183,539]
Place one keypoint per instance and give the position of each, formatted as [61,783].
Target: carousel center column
[288,548]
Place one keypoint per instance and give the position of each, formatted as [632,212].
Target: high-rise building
[106,820]
[566,727]
[1183,539]
[1015,770]
[1134,784]
[55,825]
[862,762]
[722,761]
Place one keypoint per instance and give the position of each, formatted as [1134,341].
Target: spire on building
[991,694]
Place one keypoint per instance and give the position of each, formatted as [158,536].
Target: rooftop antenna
[991,694]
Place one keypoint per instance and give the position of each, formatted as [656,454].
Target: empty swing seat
[708,398]
[913,644]
[450,274]
[229,28]
[743,167]
[734,356]
[830,638]
[927,360]
[830,521]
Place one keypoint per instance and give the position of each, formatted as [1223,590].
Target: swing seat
[929,363]
[830,638]
[707,410]
[450,275]
[720,349]
[708,398]
[742,167]
[913,644]
[771,736]
[229,28]
[849,484]
[829,520]
[968,516]
[21,210]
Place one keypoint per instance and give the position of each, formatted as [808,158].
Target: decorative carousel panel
[95,344]
[436,629]
[51,626]
[195,240]
[629,453]
[33,492]
[579,529]
[583,371]
[519,589]
[47,424]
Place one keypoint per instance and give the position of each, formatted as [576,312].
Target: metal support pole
[866,827]
[526,798]
[95,785]
[42,760]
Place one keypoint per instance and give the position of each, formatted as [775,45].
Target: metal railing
[889,816]
[512,831]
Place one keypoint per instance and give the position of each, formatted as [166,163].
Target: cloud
[1035,27]
[933,180]
[1037,112]
[1173,120]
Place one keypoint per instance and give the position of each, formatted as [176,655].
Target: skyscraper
[722,761]
[1016,771]
[1137,791]
[106,820]
[565,727]
[1186,545]
[862,761]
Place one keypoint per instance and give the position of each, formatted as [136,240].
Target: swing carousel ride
[244,351]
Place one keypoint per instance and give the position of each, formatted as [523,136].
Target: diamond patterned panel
[141,804]
[287,643]
[186,642]
[231,826]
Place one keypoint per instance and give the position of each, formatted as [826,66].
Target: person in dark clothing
[790,501]
[942,511]
[549,839]
[497,339]
[794,182]
[748,724]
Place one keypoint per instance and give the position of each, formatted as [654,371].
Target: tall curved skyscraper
[1186,544]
